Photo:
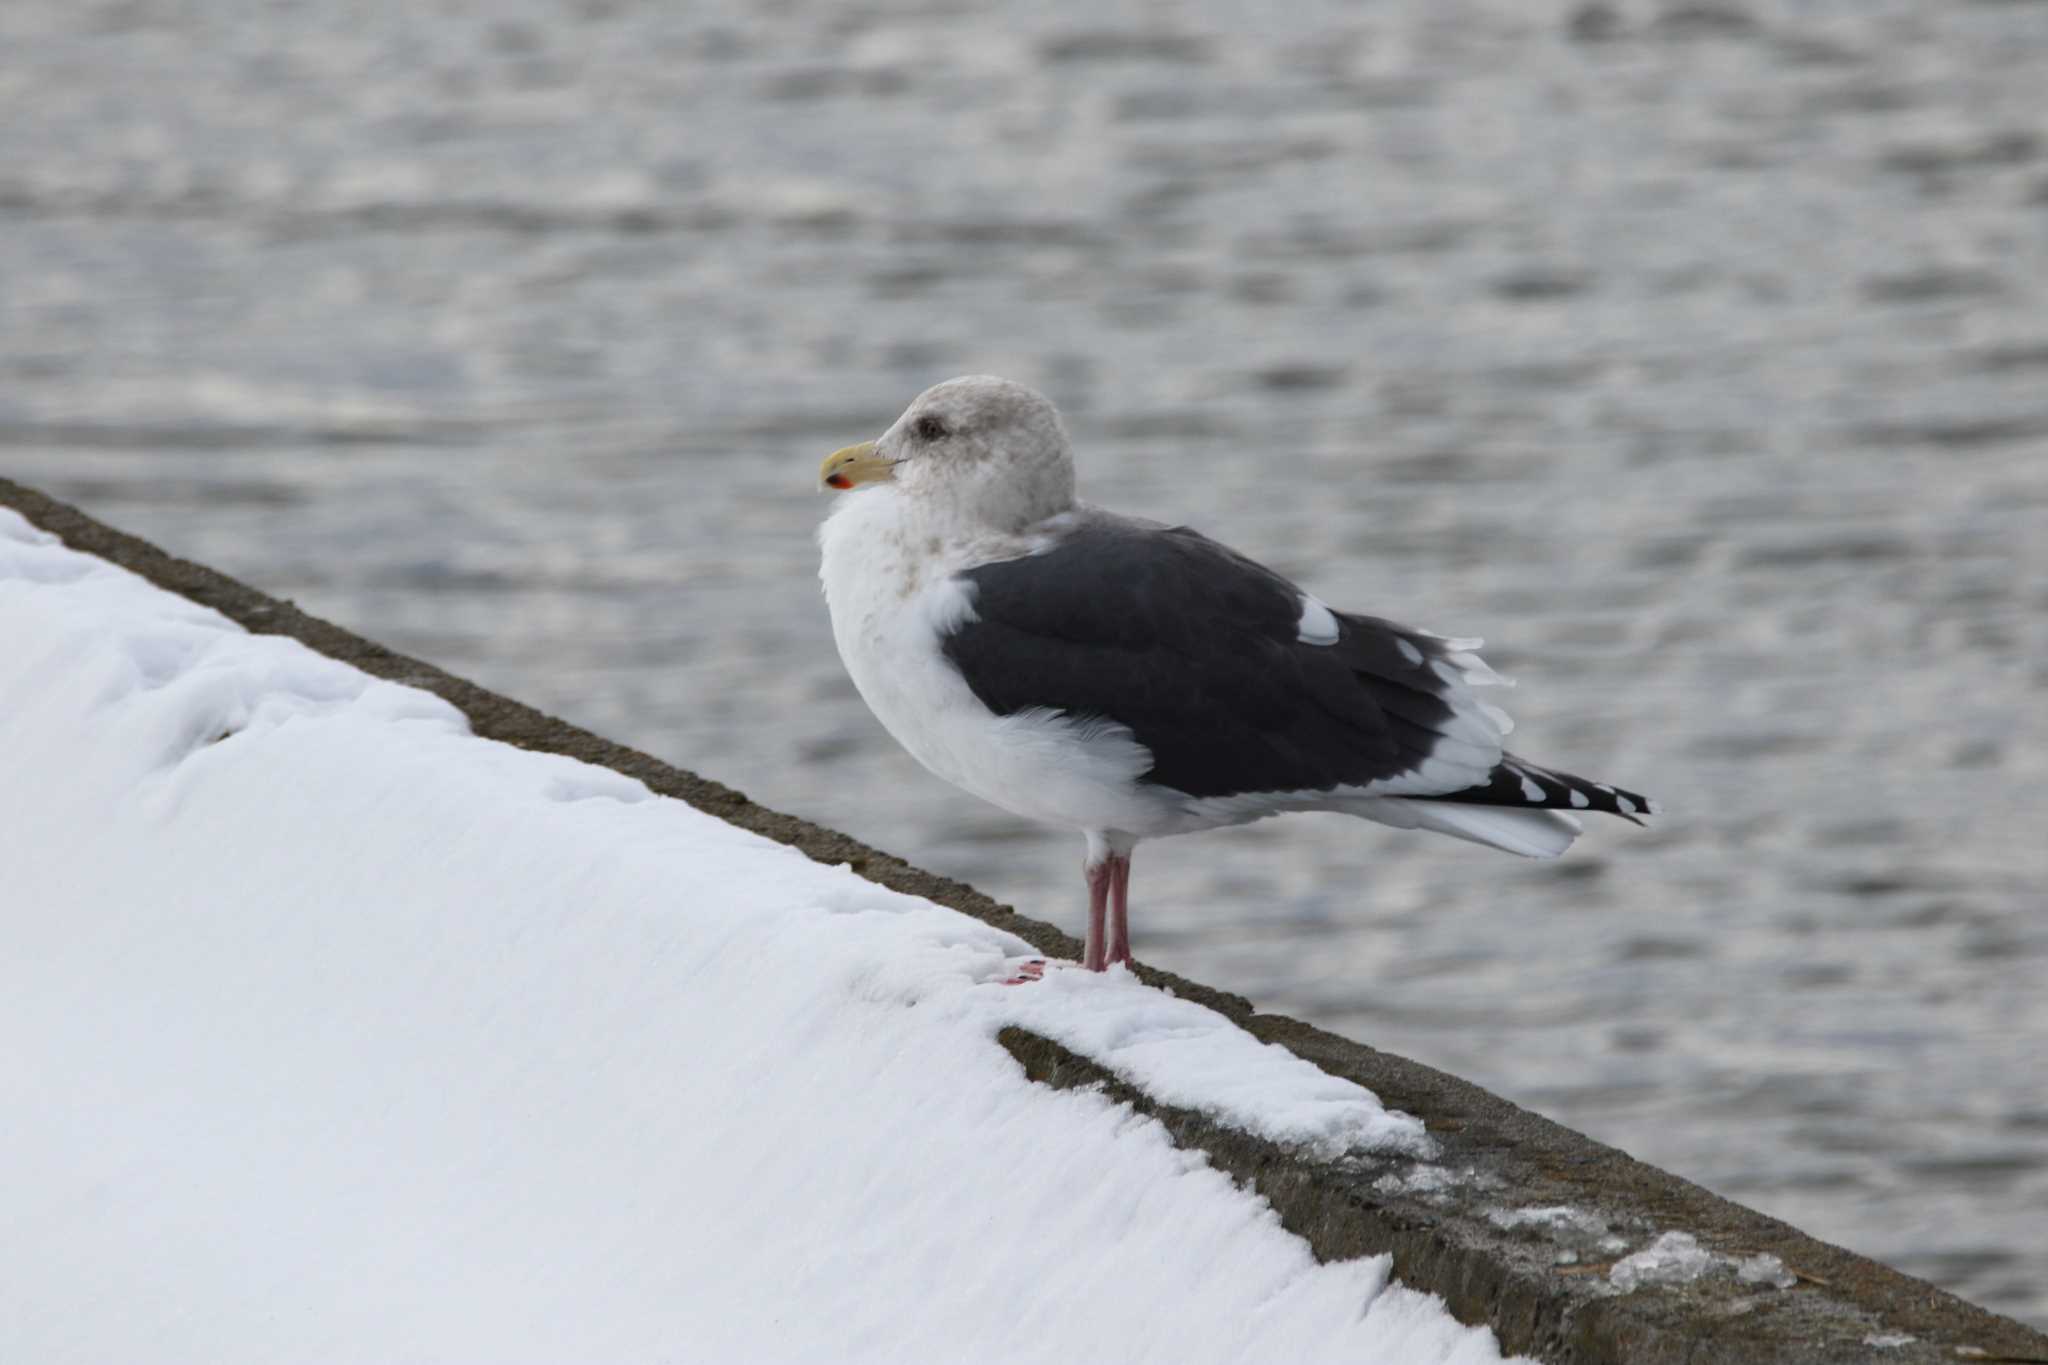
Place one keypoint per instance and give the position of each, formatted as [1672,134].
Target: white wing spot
[1628,807]
[1579,799]
[1472,669]
[1409,652]
[1530,790]
[1318,624]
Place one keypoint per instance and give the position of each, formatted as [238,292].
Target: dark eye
[929,428]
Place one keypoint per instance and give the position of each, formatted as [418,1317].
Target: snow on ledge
[337,1033]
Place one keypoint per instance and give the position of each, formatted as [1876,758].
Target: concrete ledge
[1542,1286]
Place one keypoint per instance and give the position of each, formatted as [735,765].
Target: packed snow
[336,1033]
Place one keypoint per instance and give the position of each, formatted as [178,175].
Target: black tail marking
[1517,782]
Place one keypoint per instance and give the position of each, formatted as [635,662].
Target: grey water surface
[1695,352]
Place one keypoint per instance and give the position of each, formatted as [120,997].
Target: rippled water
[1695,352]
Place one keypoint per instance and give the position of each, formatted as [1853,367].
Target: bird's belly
[1039,765]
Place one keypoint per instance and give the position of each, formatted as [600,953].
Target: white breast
[890,586]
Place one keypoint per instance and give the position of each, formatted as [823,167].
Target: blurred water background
[1693,351]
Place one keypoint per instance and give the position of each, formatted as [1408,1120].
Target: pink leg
[1098,903]
[1119,904]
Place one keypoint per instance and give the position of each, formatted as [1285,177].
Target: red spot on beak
[840,481]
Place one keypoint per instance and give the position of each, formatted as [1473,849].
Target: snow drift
[336,1033]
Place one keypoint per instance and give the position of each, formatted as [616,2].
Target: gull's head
[987,448]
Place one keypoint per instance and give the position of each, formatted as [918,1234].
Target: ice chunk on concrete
[1674,1258]
[1434,1182]
[1765,1268]
[1555,1217]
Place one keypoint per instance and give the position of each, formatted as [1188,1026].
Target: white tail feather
[1530,833]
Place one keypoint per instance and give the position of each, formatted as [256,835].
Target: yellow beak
[853,466]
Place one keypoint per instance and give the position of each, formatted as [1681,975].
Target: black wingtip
[1519,783]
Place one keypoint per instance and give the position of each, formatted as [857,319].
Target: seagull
[1129,680]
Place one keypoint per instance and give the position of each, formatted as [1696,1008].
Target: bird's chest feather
[893,597]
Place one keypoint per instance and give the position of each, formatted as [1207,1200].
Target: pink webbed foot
[1027,972]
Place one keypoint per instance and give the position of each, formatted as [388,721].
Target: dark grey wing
[1198,651]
